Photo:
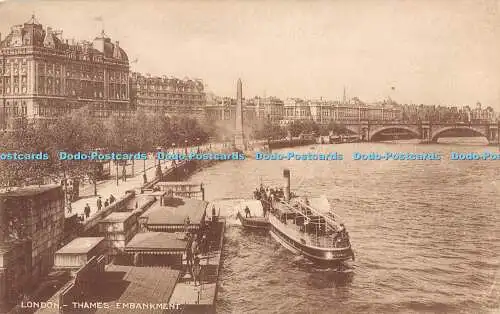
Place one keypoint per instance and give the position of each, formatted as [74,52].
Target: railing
[326,217]
[329,222]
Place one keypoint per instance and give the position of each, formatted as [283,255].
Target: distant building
[296,109]
[43,76]
[171,96]
[484,115]
[268,108]
[31,230]
[383,112]
[220,108]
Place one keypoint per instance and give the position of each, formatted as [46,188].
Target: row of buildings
[43,76]
[41,250]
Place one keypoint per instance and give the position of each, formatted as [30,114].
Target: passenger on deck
[247,212]
[341,234]
[342,229]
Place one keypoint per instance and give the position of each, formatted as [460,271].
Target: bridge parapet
[425,130]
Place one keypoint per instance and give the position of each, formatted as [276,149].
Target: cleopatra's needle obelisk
[239,139]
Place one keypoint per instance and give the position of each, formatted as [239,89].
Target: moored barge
[258,223]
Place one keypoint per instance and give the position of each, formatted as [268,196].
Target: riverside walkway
[109,187]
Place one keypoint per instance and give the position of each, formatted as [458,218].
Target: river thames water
[426,234]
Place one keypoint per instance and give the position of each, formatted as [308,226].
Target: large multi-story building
[480,114]
[31,231]
[224,109]
[44,76]
[267,108]
[166,95]
[323,112]
[384,112]
[296,109]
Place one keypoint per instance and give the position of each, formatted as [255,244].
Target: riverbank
[127,194]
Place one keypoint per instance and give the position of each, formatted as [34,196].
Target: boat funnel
[286,175]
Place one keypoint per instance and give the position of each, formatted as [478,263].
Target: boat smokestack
[286,175]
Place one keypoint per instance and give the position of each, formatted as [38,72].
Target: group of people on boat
[341,237]
[267,195]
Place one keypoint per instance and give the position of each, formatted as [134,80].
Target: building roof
[32,33]
[128,284]
[138,285]
[175,212]
[80,245]
[157,241]
[30,190]
[117,217]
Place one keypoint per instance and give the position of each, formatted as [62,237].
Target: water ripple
[426,236]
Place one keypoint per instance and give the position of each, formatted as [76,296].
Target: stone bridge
[428,132]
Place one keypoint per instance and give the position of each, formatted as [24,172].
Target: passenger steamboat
[305,226]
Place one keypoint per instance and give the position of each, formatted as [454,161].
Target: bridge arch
[435,134]
[377,131]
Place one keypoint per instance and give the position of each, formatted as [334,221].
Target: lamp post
[116,162]
[198,143]
[186,146]
[124,164]
[144,175]
[158,150]
[158,167]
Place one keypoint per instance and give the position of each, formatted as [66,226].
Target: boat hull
[256,223]
[320,256]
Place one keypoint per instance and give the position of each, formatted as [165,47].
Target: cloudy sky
[431,51]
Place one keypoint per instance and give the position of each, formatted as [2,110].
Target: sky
[440,52]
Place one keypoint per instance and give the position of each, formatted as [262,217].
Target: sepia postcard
[164,156]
